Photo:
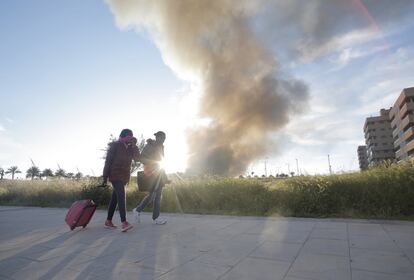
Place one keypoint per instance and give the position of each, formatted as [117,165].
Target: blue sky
[70,77]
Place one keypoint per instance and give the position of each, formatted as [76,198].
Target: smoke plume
[245,96]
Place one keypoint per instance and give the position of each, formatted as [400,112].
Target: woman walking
[117,170]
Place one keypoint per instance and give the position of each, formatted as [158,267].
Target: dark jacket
[152,153]
[118,161]
[151,156]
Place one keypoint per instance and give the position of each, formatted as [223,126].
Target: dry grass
[382,192]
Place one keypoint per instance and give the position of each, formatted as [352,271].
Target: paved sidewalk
[36,244]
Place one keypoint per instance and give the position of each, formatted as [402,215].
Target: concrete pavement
[36,244]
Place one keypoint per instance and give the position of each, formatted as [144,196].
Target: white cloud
[341,101]
[344,41]
[346,55]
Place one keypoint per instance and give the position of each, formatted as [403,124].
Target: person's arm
[135,153]
[110,155]
[144,155]
[134,148]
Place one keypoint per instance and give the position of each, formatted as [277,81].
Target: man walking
[151,156]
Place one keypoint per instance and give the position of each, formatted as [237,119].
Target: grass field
[382,192]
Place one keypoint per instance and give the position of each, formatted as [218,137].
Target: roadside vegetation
[385,191]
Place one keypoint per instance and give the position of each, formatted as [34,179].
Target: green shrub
[92,189]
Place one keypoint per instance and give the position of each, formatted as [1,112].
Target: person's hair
[126,132]
[160,134]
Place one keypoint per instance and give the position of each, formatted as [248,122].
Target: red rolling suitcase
[80,213]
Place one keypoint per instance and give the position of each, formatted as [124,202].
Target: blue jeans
[153,196]
[118,197]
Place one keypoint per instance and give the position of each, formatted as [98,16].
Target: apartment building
[402,123]
[362,157]
[379,138]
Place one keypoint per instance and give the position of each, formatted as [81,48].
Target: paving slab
[277,251]
[36,244]
[327,247]
[251,268]
[330,233]
[370,275]
[321,267]
[382,261]
[196,271]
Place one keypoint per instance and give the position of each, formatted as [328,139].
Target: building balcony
[397,145]
[403,152]
[399,154]
[409,133]
[408,120]
[405,122]
[410,146]
[395,132]
[395,120]
[407,107]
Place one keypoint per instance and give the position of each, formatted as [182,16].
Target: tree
[33,172]
[47,173]
[13,170]
[1,173]
[70,175]
[135,165]
[112,139]
[60,173]
[78,175]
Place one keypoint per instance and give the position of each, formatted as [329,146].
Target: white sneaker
[137,215]
[159,222]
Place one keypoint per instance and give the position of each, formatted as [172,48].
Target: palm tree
[47,173]
[33,172]
[1,173]
[13,170]
[60,173]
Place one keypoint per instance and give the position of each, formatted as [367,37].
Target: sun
[175,159]
[174,164]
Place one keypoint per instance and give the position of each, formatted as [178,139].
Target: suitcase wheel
[72,228]
[84,226]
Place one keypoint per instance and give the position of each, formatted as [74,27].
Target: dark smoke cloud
[244,94]
[228,48]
